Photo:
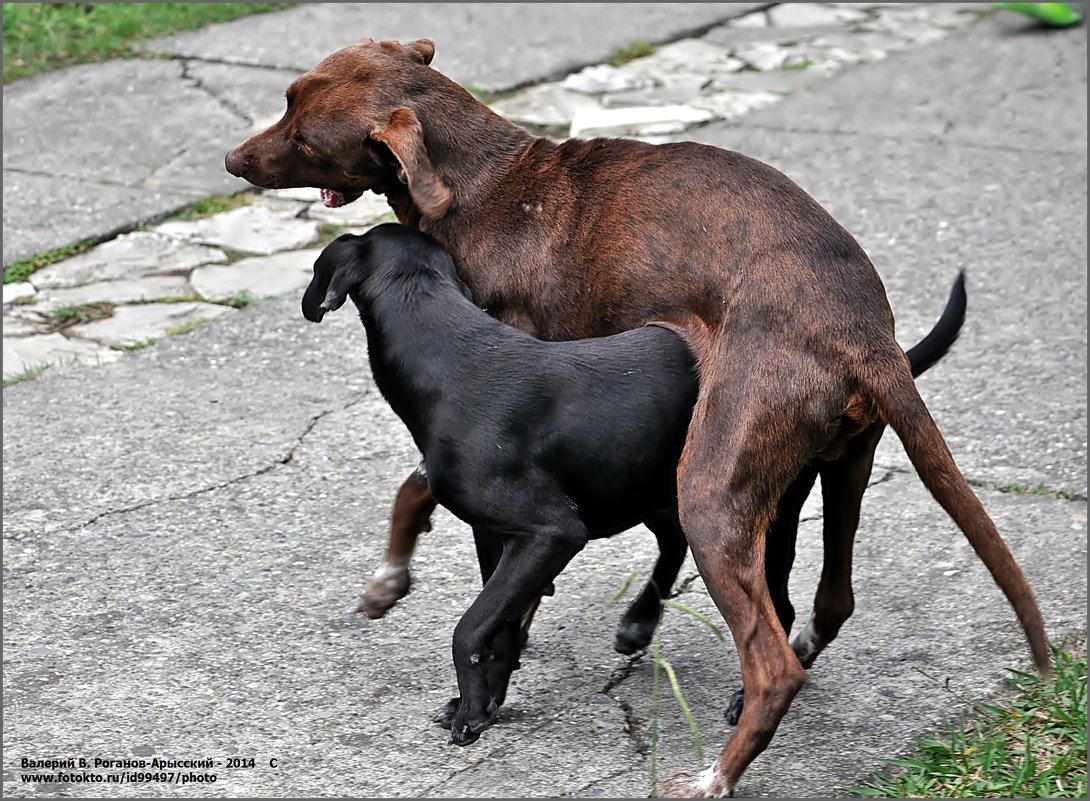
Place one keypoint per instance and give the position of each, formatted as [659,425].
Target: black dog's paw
[463,736]
[445,715]
[466,730]
[734,709]
[632,637]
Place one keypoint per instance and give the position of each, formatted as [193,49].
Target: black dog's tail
[939,340]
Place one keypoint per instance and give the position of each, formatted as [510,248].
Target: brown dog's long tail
[900,404]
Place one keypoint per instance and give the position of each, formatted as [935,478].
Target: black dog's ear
[336,273]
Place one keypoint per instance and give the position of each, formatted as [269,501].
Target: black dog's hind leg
[780,541]
[637,626]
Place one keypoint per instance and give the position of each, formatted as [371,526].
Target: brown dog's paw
[708,784]
[388,586]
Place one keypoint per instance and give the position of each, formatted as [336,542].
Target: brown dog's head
[347,129]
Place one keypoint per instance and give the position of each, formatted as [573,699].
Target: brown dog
[787,317]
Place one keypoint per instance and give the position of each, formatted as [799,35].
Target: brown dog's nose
[236,163]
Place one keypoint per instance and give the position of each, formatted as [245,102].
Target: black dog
[539,446]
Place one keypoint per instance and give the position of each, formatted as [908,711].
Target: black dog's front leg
[501,657]
[530,560]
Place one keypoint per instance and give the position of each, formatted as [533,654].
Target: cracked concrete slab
[43,212]
[552,39]
[982,106]
[147,103]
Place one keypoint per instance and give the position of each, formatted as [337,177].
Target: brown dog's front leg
[411,515]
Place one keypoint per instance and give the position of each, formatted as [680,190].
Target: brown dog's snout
[237,163]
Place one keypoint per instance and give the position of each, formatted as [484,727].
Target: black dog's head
[337,271]
[351,261]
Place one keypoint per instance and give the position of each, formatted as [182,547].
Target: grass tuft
[29,374]
[208,206]
[623,55]
[1031,745]
[22,269]
[39,37]
[68,316]
[791,66]
[147,343]
[185,328]
[241,299]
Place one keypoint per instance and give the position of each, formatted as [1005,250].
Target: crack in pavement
[1039,491]
[200,85]
[632,723]
[485,757]
[279,462]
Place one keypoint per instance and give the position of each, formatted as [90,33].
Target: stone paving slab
[15,291]
[138,290]
[141,253]
[262,230]
[261,276]
[25,353]
[135,325]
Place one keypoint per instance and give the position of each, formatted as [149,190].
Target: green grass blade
[701,617]
[684,706]
[624,588]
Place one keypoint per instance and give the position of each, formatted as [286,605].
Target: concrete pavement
[186,528]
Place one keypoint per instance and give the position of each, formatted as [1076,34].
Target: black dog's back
[598,424]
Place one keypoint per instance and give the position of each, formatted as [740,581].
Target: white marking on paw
[804,644]
[707,780]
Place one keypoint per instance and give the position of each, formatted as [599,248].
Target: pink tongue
[332,198]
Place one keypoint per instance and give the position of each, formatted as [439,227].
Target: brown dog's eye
[301,143]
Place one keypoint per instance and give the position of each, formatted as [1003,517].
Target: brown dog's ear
[422,50]
[404,135]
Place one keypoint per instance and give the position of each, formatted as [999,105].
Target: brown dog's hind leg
[411,515]
[779,558]
[756,424]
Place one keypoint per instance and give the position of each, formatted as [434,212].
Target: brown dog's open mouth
[333,198]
